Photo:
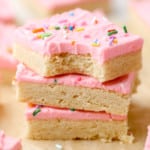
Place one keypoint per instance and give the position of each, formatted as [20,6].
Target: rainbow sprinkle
[55,81]
[57,28]
[72,109]
[65,27]
[96,43]
[113,40]
[86,36]
[73,42]
[71,28]
[44,35]
[79,29]
[94,21]
[37,30]
[36,111]
[125,29]
[112,32]
[51,28]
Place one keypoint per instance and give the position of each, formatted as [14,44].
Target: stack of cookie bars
[77,75]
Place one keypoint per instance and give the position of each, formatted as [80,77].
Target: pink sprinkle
[63,21]
[83,23]
[86,36]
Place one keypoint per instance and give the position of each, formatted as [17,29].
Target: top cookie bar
[78,41]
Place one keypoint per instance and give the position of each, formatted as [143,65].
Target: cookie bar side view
[53,123]
[85,43]
[75,91]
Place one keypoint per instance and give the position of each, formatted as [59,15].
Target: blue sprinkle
[71,28]
[71,14]
[96,41]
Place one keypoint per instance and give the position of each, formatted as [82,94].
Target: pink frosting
[6,39]
[142,8]
[121,85]
[58,113]
[63,3]
[94,30]
[9,143]
[6,12]
[147,143]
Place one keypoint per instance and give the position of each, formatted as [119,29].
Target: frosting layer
[57,113]
[78,32]
[121,85]
[6,39]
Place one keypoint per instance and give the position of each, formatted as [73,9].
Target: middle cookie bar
[75,91]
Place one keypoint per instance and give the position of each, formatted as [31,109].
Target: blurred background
[24,10]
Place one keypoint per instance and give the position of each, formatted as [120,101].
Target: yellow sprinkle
[79,29]
[51,28]
[38,36]
[95,44]
[115,41]
[73,42]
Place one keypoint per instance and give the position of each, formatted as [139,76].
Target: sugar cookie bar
[55,124]
[75,91]
[78,42]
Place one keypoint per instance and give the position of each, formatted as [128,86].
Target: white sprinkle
[93,20]
[59,147]
[65,34]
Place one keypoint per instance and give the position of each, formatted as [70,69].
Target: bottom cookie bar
[64,124]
